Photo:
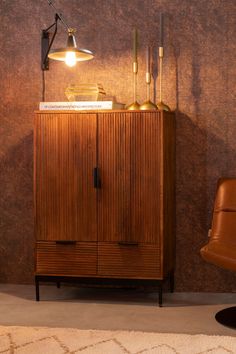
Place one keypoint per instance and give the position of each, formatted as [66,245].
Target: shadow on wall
[201,158]
[196,181]
[16,221]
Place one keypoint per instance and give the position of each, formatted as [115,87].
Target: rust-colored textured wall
[199,83]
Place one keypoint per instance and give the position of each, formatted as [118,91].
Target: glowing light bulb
[70,59]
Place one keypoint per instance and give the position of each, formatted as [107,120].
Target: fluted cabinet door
[145,192]
[65,197]
[114,168]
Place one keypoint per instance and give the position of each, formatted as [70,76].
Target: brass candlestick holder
[148,105]
[161,105]
[135,105]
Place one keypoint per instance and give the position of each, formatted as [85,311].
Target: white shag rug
[39,340]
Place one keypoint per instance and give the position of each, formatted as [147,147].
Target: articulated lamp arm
[46,45]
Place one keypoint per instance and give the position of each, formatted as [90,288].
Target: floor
[111,309]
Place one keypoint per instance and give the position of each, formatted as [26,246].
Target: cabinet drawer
[68,258]
[129,260]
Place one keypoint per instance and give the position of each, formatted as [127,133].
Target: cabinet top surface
[110,111]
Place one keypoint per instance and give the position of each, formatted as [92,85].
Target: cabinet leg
[37,289]
[160,294]
[58,284]
[172,282]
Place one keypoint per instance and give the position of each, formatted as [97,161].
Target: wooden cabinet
[104,195]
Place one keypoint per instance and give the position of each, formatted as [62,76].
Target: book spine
[75,106]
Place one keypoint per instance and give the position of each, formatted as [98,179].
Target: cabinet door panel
[114,166]
[145,177]
[65,155]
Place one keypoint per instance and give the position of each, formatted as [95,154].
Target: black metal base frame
[105,281]
[227,317]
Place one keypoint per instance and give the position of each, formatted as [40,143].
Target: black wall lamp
[70,54]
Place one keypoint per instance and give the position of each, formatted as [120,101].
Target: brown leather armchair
[221,247]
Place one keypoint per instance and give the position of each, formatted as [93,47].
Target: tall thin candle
[135,45]
[161,30]
[148,60]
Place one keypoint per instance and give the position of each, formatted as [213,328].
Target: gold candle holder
[135,105]
[148,105]
[161,105]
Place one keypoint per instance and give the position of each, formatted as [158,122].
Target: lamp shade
[78,54]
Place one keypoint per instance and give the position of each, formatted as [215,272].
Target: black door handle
[96,178]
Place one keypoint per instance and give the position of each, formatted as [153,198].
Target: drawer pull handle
[124,243]
[65,242]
